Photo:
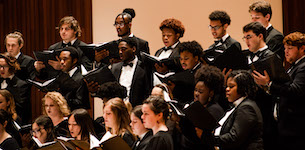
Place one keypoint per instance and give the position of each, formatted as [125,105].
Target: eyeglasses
[247,37]
[215,27]
[3,67]
[119,24]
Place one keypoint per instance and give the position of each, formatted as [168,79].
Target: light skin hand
[261,79]
[39,65]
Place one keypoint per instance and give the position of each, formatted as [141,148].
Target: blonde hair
[121,113]
[59,100]
[16,35]
[11,109]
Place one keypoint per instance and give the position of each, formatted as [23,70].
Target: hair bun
[130,11]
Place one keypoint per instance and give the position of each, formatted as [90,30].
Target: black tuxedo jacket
[22,96]
[79,97]
[264,54]
[243,129]
[291,110]
[228,55]
[144,142]
[274,40]
[27,67]
[83,59]
[142,46]
[140,86]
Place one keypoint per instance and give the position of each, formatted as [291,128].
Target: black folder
[152,60]
[274,67]
[112,47]
[25,129]
[61,82]
[100,75]
[200,116]
[46,55]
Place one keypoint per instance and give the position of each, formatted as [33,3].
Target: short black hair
[246,85]
[111,90]
[127,18]
[257,28]
[212,78]
[74,53]
[222,16]
[130,41]
[192,47]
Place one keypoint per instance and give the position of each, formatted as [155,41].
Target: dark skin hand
[92,86]
[161,68]
[101,55]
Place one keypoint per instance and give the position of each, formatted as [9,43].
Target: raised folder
[274,67]
[46,55]
[112,47]
[109,142]
[100,75]
[152,60]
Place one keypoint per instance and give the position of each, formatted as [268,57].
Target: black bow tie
[66,44]
[167,48]
[252,55]
[218,41]
[128,64]
[7,80]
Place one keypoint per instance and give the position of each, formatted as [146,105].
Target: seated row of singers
[154,124]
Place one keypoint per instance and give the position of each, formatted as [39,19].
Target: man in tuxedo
[255,36]
[123,23]
[172,30]
[69,30]
[19,88]
[130,72]
[261,11]
[290,109]
[226,52]
[190,54]
[14,42]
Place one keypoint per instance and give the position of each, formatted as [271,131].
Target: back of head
[263,7]
[257,28]
[11,61]
[73,24]
[222,16]
[110,90]
[246,85]
[11,108]
[130,41]
[174,24]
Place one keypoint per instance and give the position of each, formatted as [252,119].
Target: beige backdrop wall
[193,14]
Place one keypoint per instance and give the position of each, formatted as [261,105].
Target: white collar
[72,42]
[196,65]
[142,135]
[173,46]
[72,71]
[131,35]
[18,55]
[225,37]
[238,101]
[269,25]
[261,49]
[134,61]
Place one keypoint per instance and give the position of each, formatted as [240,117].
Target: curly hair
[110,90]
[174,24]
[257,28]
[246,85]
[73,24]
[295,39]
[263,7]
[222,16]
[11,61]
[212,78]
[16,35]
[11,109]
[192,47]
[158,105]
[120,111]
[59,100]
